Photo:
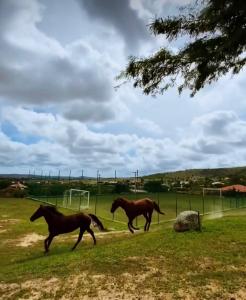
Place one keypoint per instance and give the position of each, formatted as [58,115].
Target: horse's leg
[79,237]
[92,234]
[150,217]
[48,241]
[147,221]
[130,221]
[129,226]
[45,244]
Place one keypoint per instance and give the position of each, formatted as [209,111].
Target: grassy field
[170,203]
[160,264]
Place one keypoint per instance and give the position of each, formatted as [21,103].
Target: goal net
[76,199]
[212,191]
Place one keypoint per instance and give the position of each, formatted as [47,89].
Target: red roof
[237,187]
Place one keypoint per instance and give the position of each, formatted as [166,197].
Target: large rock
[187,220]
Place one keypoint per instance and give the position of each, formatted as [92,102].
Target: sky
[61,109]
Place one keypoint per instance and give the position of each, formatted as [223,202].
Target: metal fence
[170,203]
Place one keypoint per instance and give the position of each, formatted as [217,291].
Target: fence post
[176,198]
[158,201]
[96,205]
[136,222]
[80,202]
[203,205]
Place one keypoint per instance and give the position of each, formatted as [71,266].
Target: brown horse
[136,208]
[59,223]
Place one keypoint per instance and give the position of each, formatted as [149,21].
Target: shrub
[4,183]
[155,187]
[121,188]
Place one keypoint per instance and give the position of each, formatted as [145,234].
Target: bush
[121,188]
[19,193]
[4,183]
[155,187]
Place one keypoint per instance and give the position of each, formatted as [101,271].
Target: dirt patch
[32,238]
[129,286]
[6,222]
[213,290]
[7,291]
[31,289]
[207,263]
[239,295]
[98,235]
[84,286]
[29,240]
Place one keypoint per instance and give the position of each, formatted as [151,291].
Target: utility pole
[98,182]
[135,180]
[69,178]
[97,175]
[137,176]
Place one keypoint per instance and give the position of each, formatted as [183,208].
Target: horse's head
[38,213]
[116,203]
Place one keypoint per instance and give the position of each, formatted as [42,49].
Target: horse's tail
[157,208]
[97,222]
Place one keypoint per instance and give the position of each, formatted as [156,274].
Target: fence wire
[170,203]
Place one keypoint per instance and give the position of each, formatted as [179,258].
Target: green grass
[166,261]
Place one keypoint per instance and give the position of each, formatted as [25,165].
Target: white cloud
[37,70]
[220,134]
[59,100]
[148,126]
[72,144]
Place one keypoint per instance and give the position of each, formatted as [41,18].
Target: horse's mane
[54,210]
[121,199]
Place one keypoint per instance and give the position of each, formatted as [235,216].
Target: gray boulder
[187,220]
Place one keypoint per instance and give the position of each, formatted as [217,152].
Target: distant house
[236,187]
[18,185]
[218,184]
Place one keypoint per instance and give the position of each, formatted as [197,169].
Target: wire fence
[170,203]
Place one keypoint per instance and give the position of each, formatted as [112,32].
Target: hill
[211,173]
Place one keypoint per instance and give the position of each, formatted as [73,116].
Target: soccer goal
[76,199]
[212,191]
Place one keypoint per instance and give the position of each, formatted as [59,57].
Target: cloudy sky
[60,110]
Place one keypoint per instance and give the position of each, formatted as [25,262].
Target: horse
[136,208]
[59,223]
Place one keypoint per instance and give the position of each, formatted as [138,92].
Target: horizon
[61,176]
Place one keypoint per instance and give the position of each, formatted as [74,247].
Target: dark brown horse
[136,208]
[59,223]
